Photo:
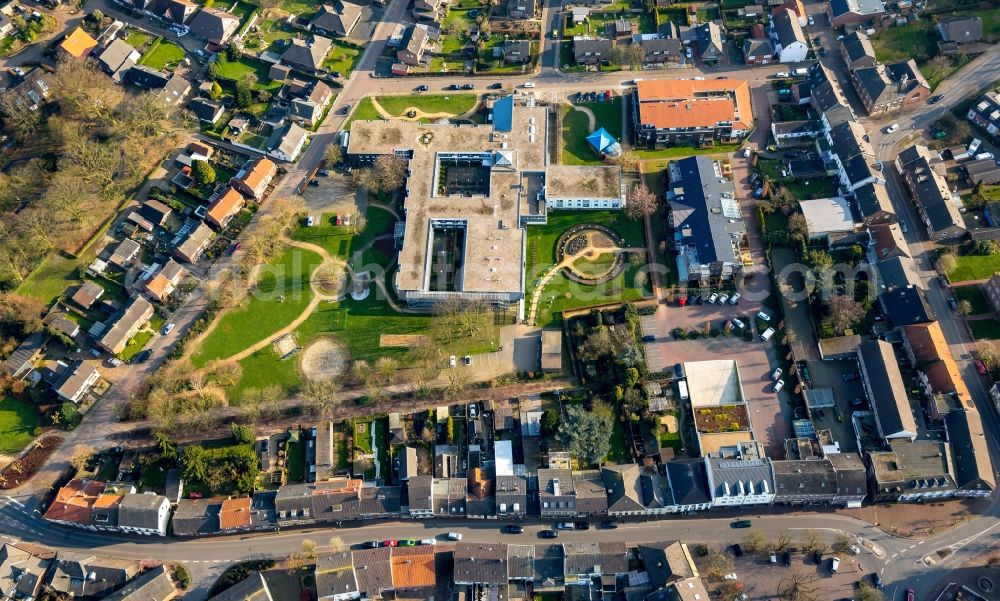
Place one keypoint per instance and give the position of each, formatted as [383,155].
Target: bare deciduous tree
[641,202]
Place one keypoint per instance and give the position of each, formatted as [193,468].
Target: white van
[767,334]
[800,71]
[682,389]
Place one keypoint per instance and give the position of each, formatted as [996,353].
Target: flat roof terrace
[493,244]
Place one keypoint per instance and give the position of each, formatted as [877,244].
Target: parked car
[454,536]
[746,153]
[649,338]
[778,386]
[758,192]
[810,20]
[713,298]
[373,544]
[934,99]
[581,525]
[857,403]
[496,86]
[772,558]
[911,595]
[512,529]
[453,86]
[407,542]
[564,526]
[737,323]
[767,334]
[892,128]
[529,84]
[786,558]
[849,376]
[548,534]
[723,298]
[468,86]
[741,524]
[473,410]
[452,361]
[430,542]
[422,88]
[781,74]
[877,580]
[336,74]
[168,328]
[777,374]
[763,316]
[735,298]
[390,543]
[855,549]
[980,367]
[114,361]
[952,303]
[742,597]
[609,524]
[142,356]
[821,51]
[835,565]
[730,576]
[679,370]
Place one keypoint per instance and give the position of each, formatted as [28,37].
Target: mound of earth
[323,359]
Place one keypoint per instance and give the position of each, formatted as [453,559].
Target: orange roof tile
[74,501]
[263,170]
[106,501]
[413,567]
[157,285]
[234,513]
[667,103]
[230,202]
[78,44]
[934,358]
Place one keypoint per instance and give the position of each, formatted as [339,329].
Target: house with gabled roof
[961,30]
[335,580]
[886,390]
[336,19]
[911,470]
[480,564]
[144,514]
[125,324]
[252,588]
[81,574]
[192,247]
[633,490]
[163,281]
[226,206]
[20,362]
[973,470]
[375,576]
[23,569]
[413,572]
[117,58]
[857,50]
[78,44]
[305,55]
[75,380]
[196,517]
[667,562]
[214,25]
[154,584]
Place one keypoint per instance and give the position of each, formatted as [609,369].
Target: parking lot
[770,413]
[334,193]
[760,580]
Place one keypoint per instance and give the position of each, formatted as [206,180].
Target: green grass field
[338,240]
[974,267]
[975,296]
[235,70]
[619,450]
[560,294]
[162,54]
[137,39]
[342,58]
[675,152]
[455,104]
[138,342]
[985,329]
[576,128]
[916,40]
[296,461]
[365,111]
[17,422]
[262,314]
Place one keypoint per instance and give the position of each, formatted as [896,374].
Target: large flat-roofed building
[688,111]
[470,192]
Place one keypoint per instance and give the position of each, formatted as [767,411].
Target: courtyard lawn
[685,151]
[985,329]
[618,452]
[822,187]
[462,19]
[975,296]
[454,104]
[280,295]
[365,111]
[296,461]
[343,58]
[138,342]
[576,128]
[162,54]
[974,267]
[561,294]
[18,421]
[916,40]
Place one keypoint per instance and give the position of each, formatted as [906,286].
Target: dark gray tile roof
[481,563]
[374,571]
[906,306]
[873,198]
[665,562]
[970,452]
[858,47]
[699,209]
[194,517]
[688,481]
[888,392]
[140,511]
[152,585]
[520,562]
[596,557]
[335,575]
[804,477]
[252,588]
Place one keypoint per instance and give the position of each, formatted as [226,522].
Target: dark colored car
[952,303]
[512,529]
[786,558]
[336,74]
[649,338]
[877,580]
[911,595]
[453,86]
[741,524]
[468,86]
[679,370]
[817,557]
[609,524]
[548,534]
[738,550]
[496,86]
[855,403]
[143,356]
[582,525]
[934,99]
[822,51]
[373,544]
[422,88]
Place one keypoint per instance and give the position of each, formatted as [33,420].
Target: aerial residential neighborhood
[456,299]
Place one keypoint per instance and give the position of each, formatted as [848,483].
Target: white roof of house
[503,453]
[713,383]
[827,215]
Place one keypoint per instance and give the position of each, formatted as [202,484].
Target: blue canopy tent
[604,143]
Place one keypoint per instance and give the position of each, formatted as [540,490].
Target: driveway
[770,413]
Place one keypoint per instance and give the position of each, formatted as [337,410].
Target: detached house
[516,51]
[429,11]
[591,51]
[164,281]
[214,26]
[191,249]
[961,30]
[521,9]
[307,56]
[206,110]
[286,142]
[117,58]
[338,19]
[758,51]
[309,107]
[75,380]
[77,44]
[790,42]
[708,37]
[255,176]
[126,324]
[412,46]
